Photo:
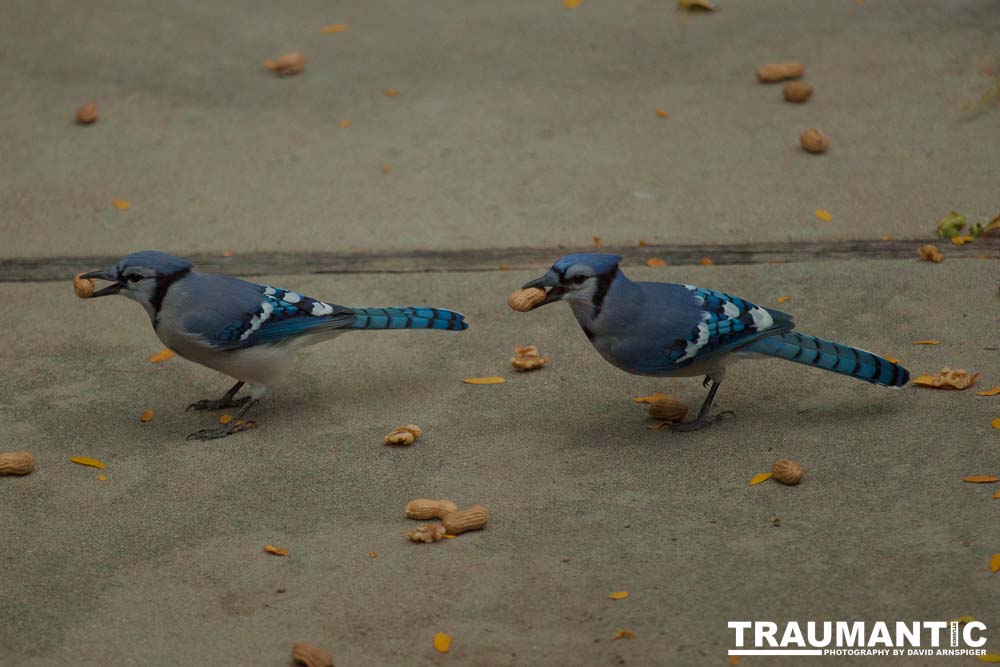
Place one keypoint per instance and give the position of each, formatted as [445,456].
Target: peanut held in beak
[83,287]
[524,300]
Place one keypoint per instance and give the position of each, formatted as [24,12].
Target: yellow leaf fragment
[87,461]
[995,423]
[624,634]
[989,392]
[965,618]
[886,237]
[994,562]
[228,253]
[642,244]
[102,478]
[344,123]
[996,495]
[947,379]
[484,380]
[892,359]
[696,5]
[618,595]
[734,660]
[655,261]
[824,215]
[391,92]
[783,299]
[981,479]
[163,355]
[448,536]
[121,204]
[760,477]
[989,657]
[652,398]
[277,551]
[442,642]
[225,419]
[147,416]
[662,113]
[334,28]
[931,341]
[372,554]
[961,240]
[706,261]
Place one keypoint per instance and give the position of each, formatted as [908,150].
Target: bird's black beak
[555,293]
[105,274]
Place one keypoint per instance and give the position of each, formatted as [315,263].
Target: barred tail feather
[408,318]
[843,359]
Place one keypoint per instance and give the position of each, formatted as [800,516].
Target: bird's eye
[578,280]
[133,277]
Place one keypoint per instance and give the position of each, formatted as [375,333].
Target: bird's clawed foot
[700,422]
[222,431]
[218,403]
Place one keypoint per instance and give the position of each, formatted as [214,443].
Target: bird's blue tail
[408,318]
[843,359]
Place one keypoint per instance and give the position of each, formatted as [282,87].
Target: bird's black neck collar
[163,284]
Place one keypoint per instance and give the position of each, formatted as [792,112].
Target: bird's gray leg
[702,419]
[222,403]
[234,425]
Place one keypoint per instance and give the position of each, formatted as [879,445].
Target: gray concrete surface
[162,563]
[519,124]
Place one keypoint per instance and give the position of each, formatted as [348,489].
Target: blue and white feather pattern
[281,315]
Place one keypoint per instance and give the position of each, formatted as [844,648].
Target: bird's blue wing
[726,324]
[244,314]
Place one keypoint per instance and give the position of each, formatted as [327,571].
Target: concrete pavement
[518,125]
[163,563]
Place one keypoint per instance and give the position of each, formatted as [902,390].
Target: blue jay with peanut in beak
[668,330]
[249,332]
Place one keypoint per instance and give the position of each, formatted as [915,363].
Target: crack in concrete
[501,259]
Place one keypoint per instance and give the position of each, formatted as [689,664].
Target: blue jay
[247,331]
[667,330]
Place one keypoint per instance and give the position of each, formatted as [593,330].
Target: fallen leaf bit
[287,65]
[484,380]
[442,642]
[87,461]
[165,354]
